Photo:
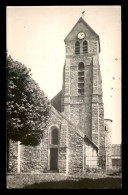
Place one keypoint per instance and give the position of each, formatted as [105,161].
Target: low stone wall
[13,156]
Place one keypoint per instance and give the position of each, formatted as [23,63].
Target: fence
[107,160]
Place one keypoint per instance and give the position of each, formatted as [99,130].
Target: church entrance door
[53,159]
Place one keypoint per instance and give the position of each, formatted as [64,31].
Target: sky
[35,37]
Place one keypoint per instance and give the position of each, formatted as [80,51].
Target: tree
[28,108]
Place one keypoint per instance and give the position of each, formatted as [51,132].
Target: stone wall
[63,90]
[28,158]
[87,111]
[101,126]
[108,142]
[37,159]
[91,37]
[98,133]
[71,152]
[74,114]
[82,111]
[75,159]
[95,123]
[78,108]
[85,117]
[81,26]
[13,156]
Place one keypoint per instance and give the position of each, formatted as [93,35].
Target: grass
[55,181]
[104,183]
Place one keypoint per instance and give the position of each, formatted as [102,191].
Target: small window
[81,79]
[77,48]
[81,85]
[116,162]
[54,136]
[80,74]
[81,91]
[85,47]
[81,66]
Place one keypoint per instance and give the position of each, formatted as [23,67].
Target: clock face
[81,35]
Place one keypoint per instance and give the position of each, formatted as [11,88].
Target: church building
[75,137]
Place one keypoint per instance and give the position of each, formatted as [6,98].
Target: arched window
[53,149]
[81,66]
[85,47]
[77,47]
[54,136]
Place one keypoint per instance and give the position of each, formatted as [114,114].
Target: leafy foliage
[28,108]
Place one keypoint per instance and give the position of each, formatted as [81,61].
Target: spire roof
[85,23]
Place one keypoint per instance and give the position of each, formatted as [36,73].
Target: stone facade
[75,135]
[108,142]
[28,159]
[13,156]
[86,111]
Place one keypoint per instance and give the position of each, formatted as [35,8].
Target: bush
[95,170]
[115,172]
[92,170]
[88,170]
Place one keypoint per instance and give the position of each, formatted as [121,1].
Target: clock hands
[81,35]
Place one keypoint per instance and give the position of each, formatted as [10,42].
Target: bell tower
[82,84]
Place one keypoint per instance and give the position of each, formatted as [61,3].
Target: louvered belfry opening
[85,47]
[77,47]
[81,78]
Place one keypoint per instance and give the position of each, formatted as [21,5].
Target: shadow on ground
[104,183]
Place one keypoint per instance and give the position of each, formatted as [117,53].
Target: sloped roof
[56,101]
[77,129]
[85,23]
